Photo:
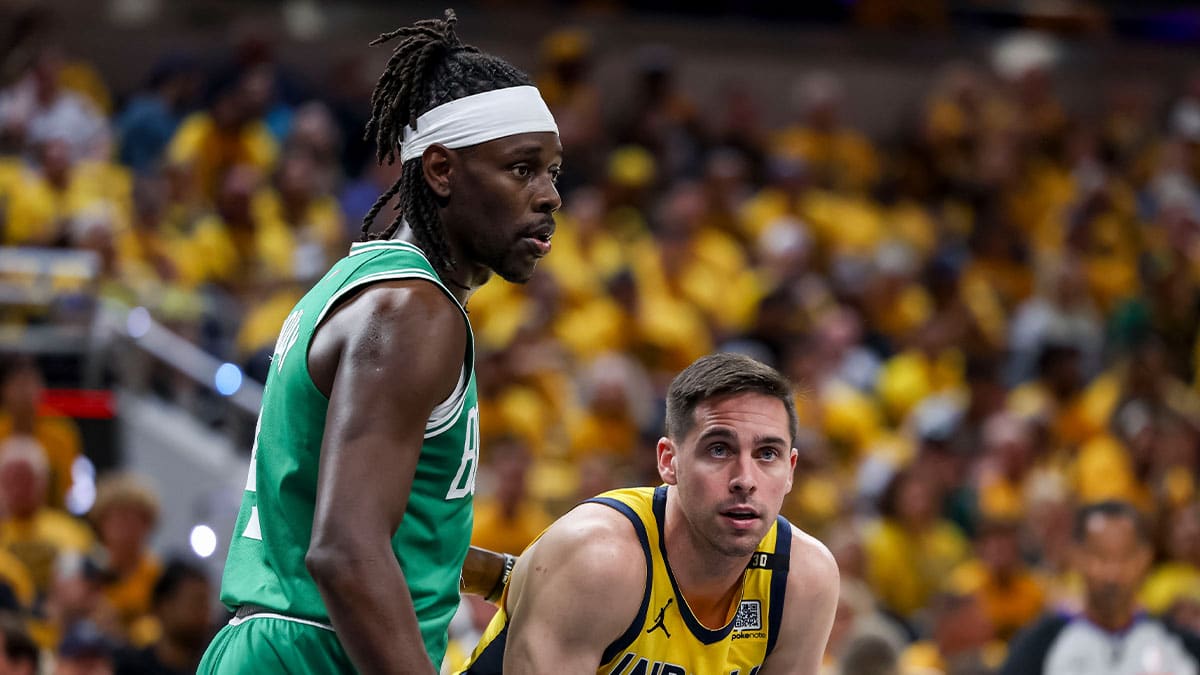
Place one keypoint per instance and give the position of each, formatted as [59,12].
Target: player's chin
[517,269]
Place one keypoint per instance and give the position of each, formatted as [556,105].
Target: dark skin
[493,197]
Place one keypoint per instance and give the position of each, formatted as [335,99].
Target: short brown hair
[724,374]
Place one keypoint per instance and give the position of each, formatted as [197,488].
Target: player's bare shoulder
[593,553]
[812,566]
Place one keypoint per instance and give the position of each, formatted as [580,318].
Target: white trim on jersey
[448,411]
[367,246]
[235,621]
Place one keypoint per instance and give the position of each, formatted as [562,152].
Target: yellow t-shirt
[38,541]
[211,151]
[904,569]
[496,532]
[130,595]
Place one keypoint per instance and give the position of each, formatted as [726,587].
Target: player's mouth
[539,237]
[741,517]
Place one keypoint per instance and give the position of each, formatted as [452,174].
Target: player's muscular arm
[573,593]
[398,349]
[812,595]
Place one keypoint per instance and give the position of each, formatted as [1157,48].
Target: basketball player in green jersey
[727,585]
[356,518]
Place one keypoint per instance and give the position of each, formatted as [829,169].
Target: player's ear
[667,456]
[436,164]
[793,456]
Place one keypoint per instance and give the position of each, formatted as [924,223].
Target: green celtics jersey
[265,567]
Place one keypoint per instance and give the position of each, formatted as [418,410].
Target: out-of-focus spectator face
[181,182]
[819,97]
[23,474]
[185,613]
[233,199]
[510,468]
[125,527]
[726,172]
[227,111]
[1183,538]
[597,475]
[586,208]
[784,250]
[1113,560]
[22,391]
[1062,369]
[314,130]
[54,156]
[297,179]
[998,160]
[916,500]
[46,70]
[962,625]
[847,550]
[999,548]
[150,195]
[255,90]
[1009,440]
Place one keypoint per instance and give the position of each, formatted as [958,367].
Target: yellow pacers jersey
[666,638]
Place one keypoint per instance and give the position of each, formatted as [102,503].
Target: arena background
[970,231]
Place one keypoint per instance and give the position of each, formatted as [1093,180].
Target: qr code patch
[749,616]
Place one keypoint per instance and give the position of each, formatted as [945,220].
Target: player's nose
[546,199]
[743,479]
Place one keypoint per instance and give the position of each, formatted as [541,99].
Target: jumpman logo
[658,623]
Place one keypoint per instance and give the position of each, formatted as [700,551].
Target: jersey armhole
[635,628]
[447,411]
[779,579]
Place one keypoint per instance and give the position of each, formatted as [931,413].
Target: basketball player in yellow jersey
[699,576]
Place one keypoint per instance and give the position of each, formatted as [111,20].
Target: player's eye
[555,172]
[718,450]
[521,170]
[768,454]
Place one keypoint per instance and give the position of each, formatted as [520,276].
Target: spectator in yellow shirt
[298,227]
[1011,595]
[32,531]
[1176,579]
[22,414]
[124,516]
[46,203]
[911,550]
[840,157]
[229,133]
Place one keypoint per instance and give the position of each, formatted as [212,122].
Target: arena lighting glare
[204,540]
[82,494]
[228,379]
[137,323]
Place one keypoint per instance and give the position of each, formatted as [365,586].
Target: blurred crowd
[990,319]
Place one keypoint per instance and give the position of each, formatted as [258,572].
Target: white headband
[477,119]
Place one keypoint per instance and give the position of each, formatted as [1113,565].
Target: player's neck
[463,281]
[709,580]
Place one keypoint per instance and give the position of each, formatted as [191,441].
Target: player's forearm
[484,572]
[371,610]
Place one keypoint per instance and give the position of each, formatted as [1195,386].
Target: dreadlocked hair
[429,67]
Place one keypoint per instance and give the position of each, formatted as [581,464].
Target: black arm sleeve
[1027,655]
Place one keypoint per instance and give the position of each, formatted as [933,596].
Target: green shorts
[265,643]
